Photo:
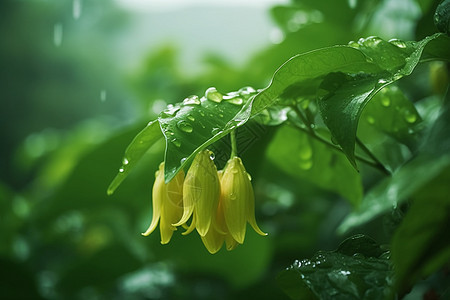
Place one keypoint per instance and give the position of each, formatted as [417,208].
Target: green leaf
[346,78]
[195,123]
[304,157]
[134,152]
[359,269]
[421,245]
[404,183]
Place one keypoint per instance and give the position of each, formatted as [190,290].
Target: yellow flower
[167,204]
[238,200]
[201,192]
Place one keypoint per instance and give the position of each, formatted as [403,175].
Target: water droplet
[176,142]
[57,34]
[185,126]
[212,156]
[76,9]
[249,176]
[370,120]
[305,153]
[236,101]
[382,81]
[121,170]
[385,101]
[182,160]
[306,164]
[247,90]
[213,95]
[215,130]
[125,161]
[103,95]
[192,100]
[170,110]
[169,132]
[398,43]
[191,118]
[201,113]
[221,115]
[410,117]
[232,196]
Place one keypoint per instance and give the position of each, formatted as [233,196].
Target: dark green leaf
[359,269]
[348,77]
[421,245]
[304,157]
[134,152]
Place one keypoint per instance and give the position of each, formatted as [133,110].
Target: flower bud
[201,191]
[237,200]
[167,204]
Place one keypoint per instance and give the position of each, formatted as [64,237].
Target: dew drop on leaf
[246,90]
[410,117]
[176,142]
[185,126]
[370,120]
[191,118]
[213,95]
[398,43]
[236,101]
[385,101]
[191,100]
[125,161]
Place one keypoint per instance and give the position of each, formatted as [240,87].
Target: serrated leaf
[303,157]
[134,152]
[359,269]
[191,126]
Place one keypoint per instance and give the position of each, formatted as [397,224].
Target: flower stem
[233,144]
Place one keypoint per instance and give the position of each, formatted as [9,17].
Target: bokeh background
[80,78]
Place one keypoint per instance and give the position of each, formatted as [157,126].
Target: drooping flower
[237,200]
[167,204]
[201,192]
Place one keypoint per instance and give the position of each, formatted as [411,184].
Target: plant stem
[375,163]
[370,154]
[233,144]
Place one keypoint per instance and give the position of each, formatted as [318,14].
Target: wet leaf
[359,269]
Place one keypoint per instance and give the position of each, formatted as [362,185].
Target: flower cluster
[218,203]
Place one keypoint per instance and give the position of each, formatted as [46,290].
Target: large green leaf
[304,157]
[347,77]
[358,269]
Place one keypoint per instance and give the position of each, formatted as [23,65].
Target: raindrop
[182,160]
[191,118]
[249,176]
[185,126]
[121,170]
[212,156]
[201,113]
[306,153]
[247,90]
[125,161]
[398,43]
[213,95]
[169,132]
[236,101]
[385,101]
[57,34]
[370,120]
[410,117]
[221,115]
[171,110]
[232,196]
[76,9]
[103,95]
[192,100]
[215,131]
[382,81]
[176,142]
[306,164]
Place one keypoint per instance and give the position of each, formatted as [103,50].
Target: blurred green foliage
[69,109]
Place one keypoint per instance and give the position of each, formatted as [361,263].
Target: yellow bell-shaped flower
[201,192]
[167,204]
[237,200]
